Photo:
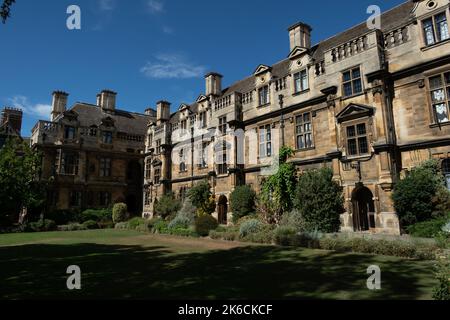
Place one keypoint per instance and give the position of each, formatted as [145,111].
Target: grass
[130,265]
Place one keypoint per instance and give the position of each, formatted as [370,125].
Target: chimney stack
[213,84]
[150,112]
[59,103]
[13,117]
[300,36]
[162,111]
[107,100]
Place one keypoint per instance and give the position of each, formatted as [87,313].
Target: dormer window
[436,29]
[263,95]
[301,82]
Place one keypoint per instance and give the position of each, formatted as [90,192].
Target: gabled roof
[261,69]
[354,111]
[297,51]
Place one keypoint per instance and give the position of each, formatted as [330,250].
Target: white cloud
[39,110]
[167,30]
[172,67]
[155,6]
[107,5]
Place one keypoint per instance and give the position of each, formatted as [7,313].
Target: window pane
[438,95]
[357,86]
[352,148]
[441,112]
[363,147]
[447,78]
[436,82]
[307,117]
[347,76]
[442,27]
[308,140]
[351,131]
[361,129]
[300,142]
[356,73]
[305,84]
[348,89]
[428,29]
[269,149]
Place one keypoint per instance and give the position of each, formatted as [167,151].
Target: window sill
[263,105]
[305,149]
[343,98]
[300,92]
[440,124]
[357,157]
[226,175]
[437,44]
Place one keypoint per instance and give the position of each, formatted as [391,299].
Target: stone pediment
[183,107]
[201,98]
[354,111]
[262,69]
[297,52]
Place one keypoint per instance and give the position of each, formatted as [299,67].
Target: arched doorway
[363,209]
[222,210]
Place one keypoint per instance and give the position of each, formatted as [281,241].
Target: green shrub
[180,222]
[63,217]
[307,239]
[413,196]
[204,224]
[75,227]
[121,226]
[242,202]
[136,222]
[106,224]
[96,215]
[227,235]
[249,227]
[188,211]
[202,198]
[41,226]
[427,229]
[284,236]
[90,225]
[264,236]
[319,200]
[294,219]
[442,291]
[120,212]
[183,232]
[160,227]
[167,206]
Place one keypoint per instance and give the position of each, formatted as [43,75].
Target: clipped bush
[167,206]
[106,224]
[227,235]
[204,224]
[307,239]
[41,226]
[121,226]
[242,202]
[293,219]
[284,236]
[96,215]
[90,225]
[120,212]
[75,227]
[319,212]
[183,232]
[249,227]
[135,222]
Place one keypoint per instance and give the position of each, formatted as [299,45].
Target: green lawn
[123,264]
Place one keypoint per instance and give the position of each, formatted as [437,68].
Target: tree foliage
[167,206]
[319,200]
[277,194]
[5,9]
[242,202]
[19,173]
[202,198]
[420,195]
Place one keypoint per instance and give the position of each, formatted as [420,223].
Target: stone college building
[369,103]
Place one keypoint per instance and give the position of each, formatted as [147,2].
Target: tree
[242,202]
[278,190]
[319,200]
[167,206]
[19,173]
[420,195]
[5,9]
[202,198]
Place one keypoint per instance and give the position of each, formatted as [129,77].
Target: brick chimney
[59,103]
[213,84]
[300,36]
[13,117]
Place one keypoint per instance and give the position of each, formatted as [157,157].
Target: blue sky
[148,50]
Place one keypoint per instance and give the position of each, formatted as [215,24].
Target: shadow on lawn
[109,271]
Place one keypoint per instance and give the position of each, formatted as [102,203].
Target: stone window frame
[446,87]
[223,125]
[75,198]
[157,175]
[203,120]
[158,148]
[148,169]
[267,144]
[73,165]
[105,167]
[182,158]
[202,155]
[294,81]
[147,197]
[266,101]
[107,137]
[295,117]
[367,121]
[104,198]
[72,130]
[432,16]
[351,81]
